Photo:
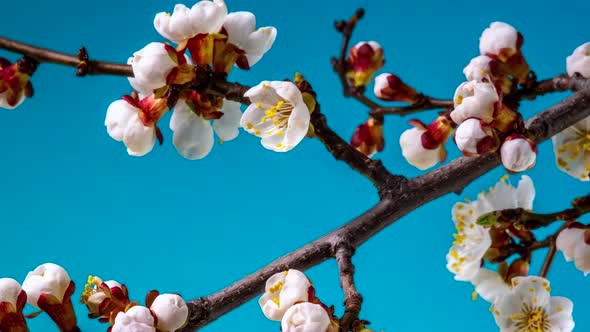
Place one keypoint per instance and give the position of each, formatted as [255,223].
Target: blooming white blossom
[305,317]
[151,66]
[282,290]
[171,311]
[530,307]
[136,319]
[241,32]
[193,133]
[579,61]
[475,99]
[478,69]
[9,291]
[573,242]
[472,240]
[474,137]
[489,285]
[572,150]
[203,18]
[47,279]
[277,114]
[518,153]
[94,295]
[500,40]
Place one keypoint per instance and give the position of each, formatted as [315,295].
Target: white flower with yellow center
[572,150]
[277,114]
[574,244]
[529,307]
[305,317]
[472,240]
[203,18]
[579,61]
[283,290]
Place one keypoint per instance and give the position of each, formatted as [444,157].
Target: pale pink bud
[474,137]
[475,100]
[579,61]
[518,153]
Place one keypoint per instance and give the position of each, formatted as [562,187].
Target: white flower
[572,150]
[277,114]
[171,311]
[47,279]
[9,291]
[241,32]
[203,18]
[193,134]
[94,295]
[518,153]
[489,285]
[473,137]
[414,151]
[151,66]
[530,307]
[579,61]
[472,240]
[500,40]
[474,99]
[123,123]
[572,242]
[305,317]
[478,69]
[136,319]
[283,290]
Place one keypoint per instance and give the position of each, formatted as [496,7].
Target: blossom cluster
[49,289]
[519,301]
[289,297]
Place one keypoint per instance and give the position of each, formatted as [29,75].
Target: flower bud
[46,279]
[305,317]
[518,268]
[518,153]
[368,137]
[390,87]
[283,290]
[364,60]
[12,302]
[15,82]
[579,61]
[475,100]
[474,137]
[152,64]
[500,40]
[171,312]
[423,146]
[103,297]
[136,319]
[480,69]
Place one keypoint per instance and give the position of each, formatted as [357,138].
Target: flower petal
[193,135]
[139,139]
[117,119]
[227,127]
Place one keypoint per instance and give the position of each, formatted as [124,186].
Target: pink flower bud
[389,87]
[368,138]
[364,60]
[474,137]
[518,153]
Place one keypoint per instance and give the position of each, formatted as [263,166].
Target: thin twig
[548,260]
[352,298]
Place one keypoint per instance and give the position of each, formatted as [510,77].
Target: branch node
[83,67]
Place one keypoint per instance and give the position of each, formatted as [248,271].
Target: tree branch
[352,298]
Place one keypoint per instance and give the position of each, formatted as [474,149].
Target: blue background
[71,195]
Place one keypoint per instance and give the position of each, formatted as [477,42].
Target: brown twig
[548,260]
[352,298]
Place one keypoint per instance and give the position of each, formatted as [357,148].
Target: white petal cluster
[518,153]
[490,285]
[305,317]
[573,244]
[123,125]
[193,134]
[282,291]
[136,319]
[572,150]
[474,137]
[241,32]
[171,311]
[579,61]
[530,307]
[277,114]
[472,240]
[478,69]
[203,18]
[500,38]
[9,291]
[415,152]
[474,99]
[47,279]
[151,66]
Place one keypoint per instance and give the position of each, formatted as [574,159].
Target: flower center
[531,319]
